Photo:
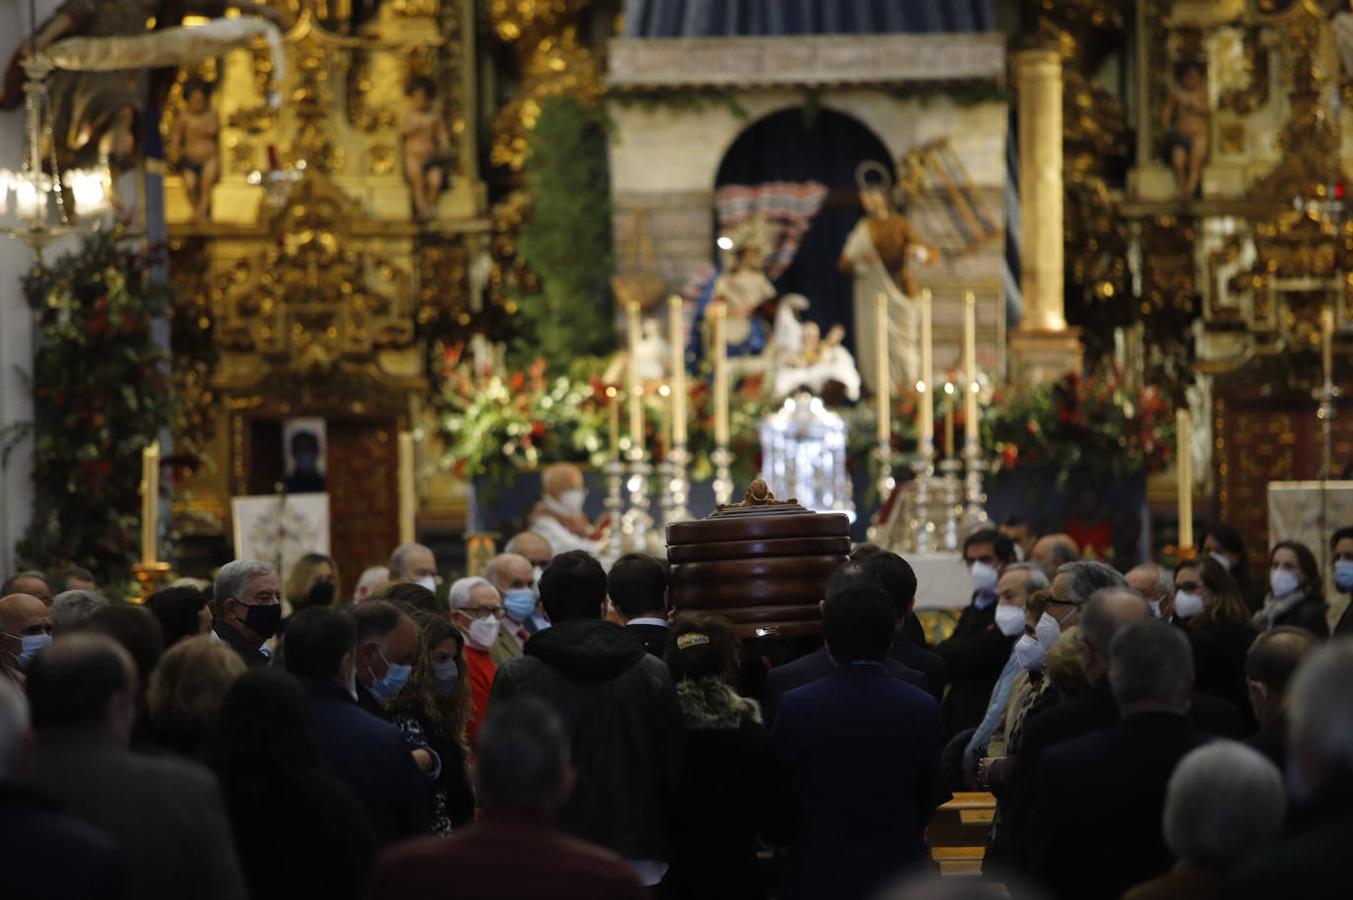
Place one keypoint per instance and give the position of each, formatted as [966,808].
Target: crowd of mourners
[551,729]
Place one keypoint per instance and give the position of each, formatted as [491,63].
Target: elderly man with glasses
[477,610]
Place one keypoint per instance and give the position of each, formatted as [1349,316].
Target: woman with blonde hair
[186,690]
[312,581]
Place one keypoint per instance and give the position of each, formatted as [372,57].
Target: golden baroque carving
[1169,301]
[557,65]
[1253,70]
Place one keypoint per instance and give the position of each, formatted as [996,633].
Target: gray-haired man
[248,608]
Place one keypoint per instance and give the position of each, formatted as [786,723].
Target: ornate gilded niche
[311,289]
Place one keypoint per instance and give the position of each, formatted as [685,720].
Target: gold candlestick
[1184,468]
[408,495]
[150,503]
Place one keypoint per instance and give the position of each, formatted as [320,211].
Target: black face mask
[321,594]
[263,620]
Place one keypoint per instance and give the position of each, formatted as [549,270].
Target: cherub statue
[808,361]
[427,147]
[1186,118]
[879,252]
[193,143]
[744,287]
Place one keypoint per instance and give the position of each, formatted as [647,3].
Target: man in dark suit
[368,753]
[387,648]
[515,850]
[863,749]
[1269,665]
[818,664]
[1101,796]
[896,577]
[248,606]
[637,586]
[1313,860]
[166,815]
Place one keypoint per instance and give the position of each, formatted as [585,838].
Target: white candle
[1184,466]
[925,386]
[150,503]
[883,377]
[970,424]
[613,417]
[407,493]
[720,312]
[677,338]
[636,404]
[1327,343]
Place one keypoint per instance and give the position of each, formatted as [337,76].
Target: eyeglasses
[479,612]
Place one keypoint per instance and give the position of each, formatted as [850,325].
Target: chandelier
[40,205]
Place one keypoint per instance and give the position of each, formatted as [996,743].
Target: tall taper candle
[150,503]
[948,420]
[720,314]
[408,502]
[632,381]
[1327,344]
[926,387]
[884,377]
[613,414]
[676,338]
[970,424]
[1184,467]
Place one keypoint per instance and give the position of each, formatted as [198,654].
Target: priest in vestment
[877,253]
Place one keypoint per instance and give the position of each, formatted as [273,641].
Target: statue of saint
[1186,117]
[427,147]
[193,144]
[879,252]
[822,366]
[744,287]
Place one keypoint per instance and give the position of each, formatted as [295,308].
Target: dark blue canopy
[748,18]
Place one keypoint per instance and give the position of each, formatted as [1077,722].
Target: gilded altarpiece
[312,289]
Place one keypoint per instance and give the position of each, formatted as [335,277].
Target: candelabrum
[636,525]
[948,524]
[611,548]
[974,500]
[677,487]
[886,484]
[664,470]
[723,478]
[922,524]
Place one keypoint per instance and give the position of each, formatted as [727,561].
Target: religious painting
[303,450]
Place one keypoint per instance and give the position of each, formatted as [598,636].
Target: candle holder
[150,577]
[664,470]
[922,523]
[948,525]
[723,478]
[885,485]
[610,549]
[636,526]
[974,499]
[677,487]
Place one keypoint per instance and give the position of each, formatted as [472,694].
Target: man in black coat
[1269,666]
[637,586]
[166,815]
[976,651]
[248,605]
[367,752]
[620,708]
[1313,860]
[898,579]
[1101,796]
[863,750]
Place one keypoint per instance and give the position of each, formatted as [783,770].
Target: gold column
[1043,346]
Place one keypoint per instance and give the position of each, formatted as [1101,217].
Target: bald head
[1106,613]
[1052,551]
[532,546]
[1152,582]
[32,583]
[412,562]
[1271,662]
[561,477]
[84,681]
[510,572]
[25,623]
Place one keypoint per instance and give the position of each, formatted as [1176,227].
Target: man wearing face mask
[559,517]
[387,646]
[523,616]
[248,598]
[1341,557]
[534,547]
[978,648]
[1156,584]
[416,564]
[477,610]
[367,752]
[25,630]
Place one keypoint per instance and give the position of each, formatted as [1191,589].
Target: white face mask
[984,577]
[429,582]
[1155,607]
[1048,630]
[1010,620]
[1029,653]
[1187,604]
[536,573]
[1226,562]
[1282,582]
[483,632]
[572,500]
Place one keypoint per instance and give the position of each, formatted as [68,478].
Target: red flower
[517,381]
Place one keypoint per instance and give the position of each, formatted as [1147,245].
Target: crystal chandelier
[38,205]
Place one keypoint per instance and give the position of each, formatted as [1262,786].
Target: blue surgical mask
[1282,582]
[520,603]
[30,645]
[448,676]
[388,686]
[1343,575]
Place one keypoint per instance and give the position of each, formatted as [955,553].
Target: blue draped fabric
[723,18]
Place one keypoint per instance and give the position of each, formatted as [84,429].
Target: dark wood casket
[762,563]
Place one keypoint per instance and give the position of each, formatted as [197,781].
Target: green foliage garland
[101,394]
[567,240]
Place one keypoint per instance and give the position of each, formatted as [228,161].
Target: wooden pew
[957,836]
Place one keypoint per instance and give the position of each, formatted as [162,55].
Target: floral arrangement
[1091,429]
[102,393]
